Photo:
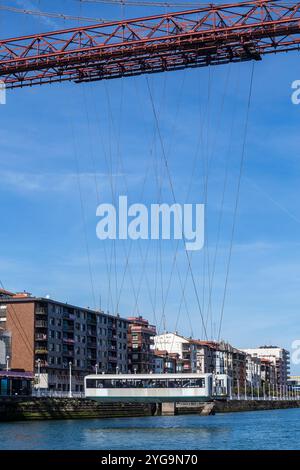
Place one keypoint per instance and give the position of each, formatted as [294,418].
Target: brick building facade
[46,336]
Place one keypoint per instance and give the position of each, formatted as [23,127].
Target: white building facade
[186,349]
[279,357]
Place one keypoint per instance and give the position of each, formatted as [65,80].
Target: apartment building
[225,359]
[140,345]
[239,369]
[253,371]
[5,349]
[268,374]
[49,338]
[206,356]
[279,357]
[294,383]
[168,363]
[175,344]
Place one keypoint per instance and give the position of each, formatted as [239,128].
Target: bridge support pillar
[168,409]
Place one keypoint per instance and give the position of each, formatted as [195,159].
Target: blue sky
[64,147]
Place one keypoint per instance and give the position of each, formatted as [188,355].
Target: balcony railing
[41,324]
[92,333]
[68,341]
[41,351]
[41,311]
[41,337]
[41,364]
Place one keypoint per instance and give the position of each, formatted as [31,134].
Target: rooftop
[25,297]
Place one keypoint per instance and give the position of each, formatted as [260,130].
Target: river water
[276,429]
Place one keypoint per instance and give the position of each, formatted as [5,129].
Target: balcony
[41,324]
[68,341]
[186,358]
[41,337]
[41,351]
[41,311]
[92,333]
[42,363]
[112,359]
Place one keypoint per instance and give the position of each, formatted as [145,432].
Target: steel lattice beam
[213,35]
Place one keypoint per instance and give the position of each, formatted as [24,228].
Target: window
[145,383]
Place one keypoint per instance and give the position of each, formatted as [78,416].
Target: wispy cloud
[29,5]
[20,181]
[44,182]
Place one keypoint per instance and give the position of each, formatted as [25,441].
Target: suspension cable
[146,3]
[237,198]
[46,14]
[174,198]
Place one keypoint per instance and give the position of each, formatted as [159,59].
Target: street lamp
[70,379]
[117,369]
[7,363]
[39,376]
[96,368]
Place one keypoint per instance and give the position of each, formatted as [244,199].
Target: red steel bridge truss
[212,35]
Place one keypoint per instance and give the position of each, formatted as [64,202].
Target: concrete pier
[168,409]
[19,409]
[30,408]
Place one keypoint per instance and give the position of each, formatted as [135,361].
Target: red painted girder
[213,35]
